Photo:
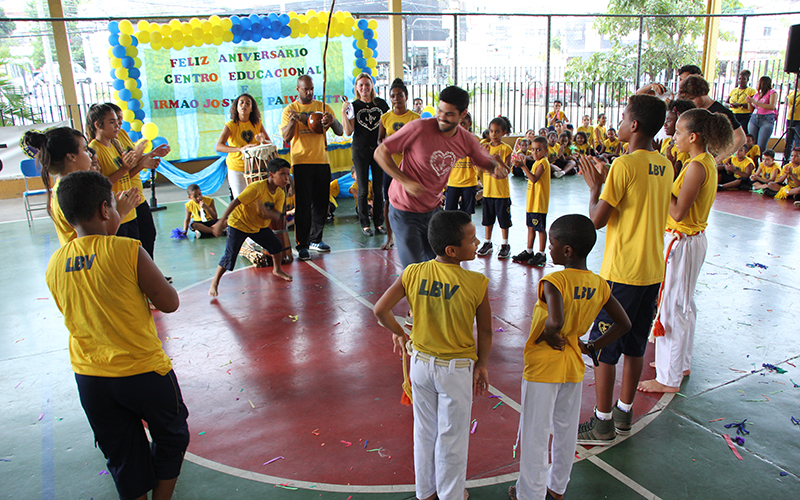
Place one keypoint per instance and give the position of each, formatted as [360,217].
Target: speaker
[792,63]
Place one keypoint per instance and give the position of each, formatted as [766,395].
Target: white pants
[678,310]
[442,400]
[236,182]
[546,408]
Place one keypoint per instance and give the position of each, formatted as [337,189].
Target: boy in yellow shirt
[462,184]
[201,212]
[537,203]
[569,300]
[122,372]
[753,151]
[737,171]
[445,366]
[766,173]
[632,198]
[250,215]
[496,192]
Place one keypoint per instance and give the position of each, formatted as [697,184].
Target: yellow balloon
[131,51]
[136,94]
[311,12]
[226,24]
[155,37]
[358,34]
[111,53]
[339,16]
[115,95]
[194,22]
[216,31]
[143,25]
[125,40]
[294,23]
[128,115]
[206,26]
[292,15]
[197,33]
[148,146]
[166,42]
[121,73]
[154,27]
[313,22]
[367,53]
[186,29]
[150,131]
[372,62]
[177,44]
[126,27]
[130,83]
[136,125]
[373,24]
[294,34]
[337,31]
[227,36]
[123,105]
[304,29]
[175,25]
[208,39]
[137,63]
[143,36]
[116,63]
[356,71]
[302,18]
[165,30]
[217,40]
[155,45]
[348,31]
[214,20]
[361,44]
[177,36]
[349,21]
[323,17]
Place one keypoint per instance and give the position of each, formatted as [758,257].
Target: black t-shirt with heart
[367,119]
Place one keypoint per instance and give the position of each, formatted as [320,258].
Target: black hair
[576,231]
[751,136]
[745,72]
[276,164]
[566,134]
[81,194]
[612,129]
[693,86]
[557,101]
[399,84]
[503,123]
[417,99]
[691,69]
[680,106]
[52,147]
[455,96]
[541,140]
[97,113]
[648,111]
[558,121]
[191,188]
[769,152]
[582,134]
[485,134]
[255,114]
[113,106]
[714,128]
[446,228]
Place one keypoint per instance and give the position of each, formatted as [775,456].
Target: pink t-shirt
[428,157]
[764,99]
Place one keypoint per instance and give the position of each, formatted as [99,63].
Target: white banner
[12,155]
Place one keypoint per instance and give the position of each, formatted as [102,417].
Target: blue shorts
[411,235]
[497,208]
[536,221]
[640,304]
[265,237]
[116,406]
[466,195]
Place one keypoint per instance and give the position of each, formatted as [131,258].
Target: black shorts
[640,304]
[536,221]
[116,406]
[265,237]
[387,181]
[497,208]
[460,198]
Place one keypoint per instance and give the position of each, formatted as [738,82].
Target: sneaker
[622,420]
[597,432]
[367,231]
[380,230]
[505,252]
[303,254]
[485,249]
[319,247]
[523,256]
[197,234]
[539,259]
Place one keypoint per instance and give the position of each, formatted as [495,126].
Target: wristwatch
[592,352]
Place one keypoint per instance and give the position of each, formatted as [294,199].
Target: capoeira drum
[255,161]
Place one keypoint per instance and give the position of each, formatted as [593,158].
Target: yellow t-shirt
[791,101]
[789,181]
[557,115]
[497,188]
[588,131]
[754,153]
[538,195]
[601,131]
[766,172]
[444,299]
[582,149]
[65,232]
[242,133]
[697,218]
[584,294]
[333,192]
[463,174]
[393,122]
[246,217]
[110,162]
[741,165]
[552,152]
[611,145]
[638,186]
[95,283]
[198,214]
[127,144]
[739,96]
[307,146]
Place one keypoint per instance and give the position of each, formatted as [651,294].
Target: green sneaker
[622,420]
[597,432]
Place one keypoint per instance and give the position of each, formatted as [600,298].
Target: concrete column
[710,39]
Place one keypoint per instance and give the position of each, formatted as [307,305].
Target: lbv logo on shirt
[79,263]
[657,170]
[437,288]
[581,292]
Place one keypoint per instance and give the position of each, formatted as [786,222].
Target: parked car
[41,77]
[534,92]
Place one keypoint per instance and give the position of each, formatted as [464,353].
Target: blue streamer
[210,179]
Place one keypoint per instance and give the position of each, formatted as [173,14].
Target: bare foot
[655,386]
[652,364]
[686,373]
[466,494]
[212,290]
[281,274]
[555,495]
[389,244]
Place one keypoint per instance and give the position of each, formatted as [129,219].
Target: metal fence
[513,65]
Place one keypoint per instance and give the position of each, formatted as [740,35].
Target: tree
[41,29]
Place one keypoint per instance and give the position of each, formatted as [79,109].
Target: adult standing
[737,99]
[430,148]
[762,122]
[244,130]
[362,118]
[696,89]
[312,169]
[792,122]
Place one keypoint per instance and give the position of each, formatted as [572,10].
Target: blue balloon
[139,115]
[236,29]
[158,141]
[286,31]
[254,18]
[118,51]
[276,35]
[272,16]
[235,20]
[114,74]
[375,53]
[247,35]
[125,95]
[368,33]
[135,136]
[425,114]
[127,62]
[113,27]
[237,38]
[276,25]
[256,37]
[368,70]
[134,41]
[246,23]
[359,53]
[257,27]
[134,73]
[118,85]
[134,105]
[284,19]
[127,128]
[361,63]
[372,43]
[355,44]
[113,39]
[363,24]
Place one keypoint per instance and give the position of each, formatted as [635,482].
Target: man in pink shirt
[430,148]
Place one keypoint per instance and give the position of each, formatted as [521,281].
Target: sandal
[367,231]
[381,230]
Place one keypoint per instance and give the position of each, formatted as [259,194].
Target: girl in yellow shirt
[701,134]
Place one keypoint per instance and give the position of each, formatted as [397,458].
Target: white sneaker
[197,233]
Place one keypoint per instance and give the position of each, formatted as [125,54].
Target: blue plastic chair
[31,169]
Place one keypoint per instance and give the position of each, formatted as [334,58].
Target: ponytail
[713,128]
[52,148]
